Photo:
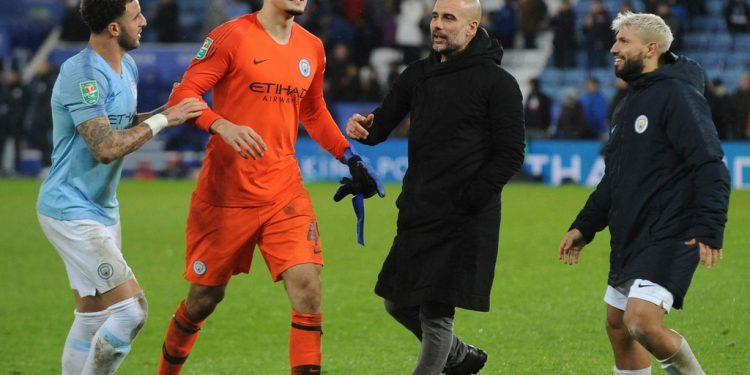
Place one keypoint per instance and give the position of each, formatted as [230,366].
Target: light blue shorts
[91,252]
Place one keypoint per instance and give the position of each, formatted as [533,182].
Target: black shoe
[472,363]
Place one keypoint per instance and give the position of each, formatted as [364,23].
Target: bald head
[454,24]
[470,9]
[473,9]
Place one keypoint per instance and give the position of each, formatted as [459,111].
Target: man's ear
[113,29]
[473,27]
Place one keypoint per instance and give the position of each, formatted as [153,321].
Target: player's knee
[134,315]
[615,327]
[125,322]
[201,308]
[201,304]
[308,289]
[640,327]
[310,299]
[209,301]
[309,286]
[141,315]
[314,292]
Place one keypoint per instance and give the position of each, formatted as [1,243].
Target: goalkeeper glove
[364,179]
[363,184]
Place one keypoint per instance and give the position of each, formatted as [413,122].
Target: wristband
[157,122]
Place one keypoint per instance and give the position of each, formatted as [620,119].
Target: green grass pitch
[546,318]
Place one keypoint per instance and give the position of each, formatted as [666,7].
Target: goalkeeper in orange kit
[266,72]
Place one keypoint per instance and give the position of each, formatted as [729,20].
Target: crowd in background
[587,115]
[25,115]
[355,31]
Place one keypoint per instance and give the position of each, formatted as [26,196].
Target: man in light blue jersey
[95,124]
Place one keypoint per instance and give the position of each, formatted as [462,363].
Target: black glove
[364,180]
[363,184]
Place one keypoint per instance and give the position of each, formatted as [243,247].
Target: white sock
[78,343]
[112,341]
[643,371]
[683,362]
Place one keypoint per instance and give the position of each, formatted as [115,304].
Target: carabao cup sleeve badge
[89,92]
[203,51]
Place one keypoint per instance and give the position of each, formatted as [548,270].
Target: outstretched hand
[709,256]
[357,125]
[570,247]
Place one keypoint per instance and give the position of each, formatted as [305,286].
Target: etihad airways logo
[276,92]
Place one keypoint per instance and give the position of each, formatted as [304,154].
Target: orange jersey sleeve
[207,68]
[316,118]
[270,87]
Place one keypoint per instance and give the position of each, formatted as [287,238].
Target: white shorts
[642,289]
[91,252]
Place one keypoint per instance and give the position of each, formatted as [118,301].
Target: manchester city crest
[304,68]
[105,271]
[641,124]
[199,267]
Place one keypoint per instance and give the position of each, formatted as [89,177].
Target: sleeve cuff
[710,235]
[715,243]
[586,230]
[205,120]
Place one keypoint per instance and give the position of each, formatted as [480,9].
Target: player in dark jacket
[465,142]
[664,196]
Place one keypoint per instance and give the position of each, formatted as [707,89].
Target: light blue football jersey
[79,187]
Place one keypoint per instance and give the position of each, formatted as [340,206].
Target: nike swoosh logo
[256,61]
[641,285]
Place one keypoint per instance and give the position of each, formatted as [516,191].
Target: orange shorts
[221,240]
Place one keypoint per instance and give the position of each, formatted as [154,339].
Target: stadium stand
[27,37]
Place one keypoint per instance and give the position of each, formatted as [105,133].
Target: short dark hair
[97,14]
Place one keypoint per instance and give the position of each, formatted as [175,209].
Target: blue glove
[363,184]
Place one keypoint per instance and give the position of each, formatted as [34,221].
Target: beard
[631,67]
[448,49]
[127,41]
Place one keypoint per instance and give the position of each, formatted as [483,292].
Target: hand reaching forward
[571,246]
[184,110]
[709,255]
[356,127]
[242,139]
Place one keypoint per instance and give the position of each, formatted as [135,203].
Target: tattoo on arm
[141,117]
[107,144]
[159,110]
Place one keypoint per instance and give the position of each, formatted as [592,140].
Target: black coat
[465,142]
[664,181]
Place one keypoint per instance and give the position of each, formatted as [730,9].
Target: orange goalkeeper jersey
[270,87]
